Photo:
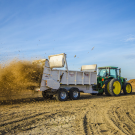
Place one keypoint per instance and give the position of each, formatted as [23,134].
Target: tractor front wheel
[127,89]
[115,87]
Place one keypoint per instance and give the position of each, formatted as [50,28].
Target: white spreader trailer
[66,83]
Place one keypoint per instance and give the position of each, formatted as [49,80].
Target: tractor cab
[109,72]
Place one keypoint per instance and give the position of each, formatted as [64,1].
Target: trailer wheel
[115,87]
[45,95]
[106,89]
[127,88]
[74,93]
[62,95]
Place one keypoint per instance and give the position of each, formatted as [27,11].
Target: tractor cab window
[113,73]
[103,72]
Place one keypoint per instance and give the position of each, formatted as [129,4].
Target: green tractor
[109,80]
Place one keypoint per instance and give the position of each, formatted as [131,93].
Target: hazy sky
[34,29]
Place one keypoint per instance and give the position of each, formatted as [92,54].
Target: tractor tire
[115,87]
[106,89]
[127,88]
[45,95]
[74,93]
[62,95]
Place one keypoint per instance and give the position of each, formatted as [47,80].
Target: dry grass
[19,75]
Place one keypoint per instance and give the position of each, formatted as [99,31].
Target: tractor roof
[107,67]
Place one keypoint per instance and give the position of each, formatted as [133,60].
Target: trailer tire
[115,87]
[45,95]
[74,93]
[106,89]
[62,95]
[127,88]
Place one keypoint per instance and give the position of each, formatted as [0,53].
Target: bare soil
[32,115]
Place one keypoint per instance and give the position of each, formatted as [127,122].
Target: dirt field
[88,115]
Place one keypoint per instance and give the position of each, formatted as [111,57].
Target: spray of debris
[19,75]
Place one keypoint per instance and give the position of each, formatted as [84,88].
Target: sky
[98,32]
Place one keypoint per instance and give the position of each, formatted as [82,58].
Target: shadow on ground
[41,99]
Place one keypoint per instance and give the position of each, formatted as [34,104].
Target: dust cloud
[18,76]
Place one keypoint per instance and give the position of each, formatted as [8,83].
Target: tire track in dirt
[121,118]
[26,118]
[27,121]
[85,124]
[130,117]
[110,117]
[87,129]
[96,124]
[115,120]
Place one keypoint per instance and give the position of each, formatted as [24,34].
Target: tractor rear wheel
[115,87]
[74,93]
[62,95]
[127,88]
[106,89]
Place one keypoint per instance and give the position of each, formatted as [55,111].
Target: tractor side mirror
[120,72]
